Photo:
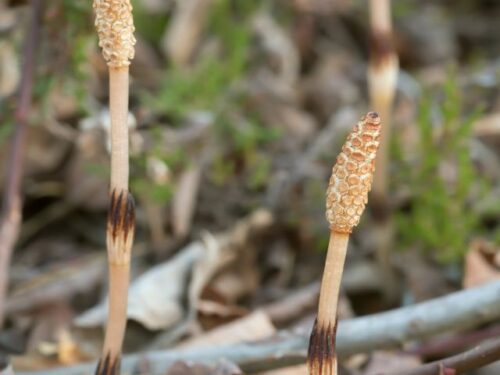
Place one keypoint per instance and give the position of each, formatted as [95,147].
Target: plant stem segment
[382,76]
[330,287]
[118,108]
[325,327]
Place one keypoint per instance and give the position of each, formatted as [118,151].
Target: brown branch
[12,201]
[479,356]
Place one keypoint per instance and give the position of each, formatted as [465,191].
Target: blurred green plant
[6,131]
[144,185]
[443,180]
[148,25]
[204,86]
[212,84]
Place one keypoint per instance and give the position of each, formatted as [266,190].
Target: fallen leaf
[481,265]
[222,368]
[383,362]
[253,327]
[155,298]
[294,370]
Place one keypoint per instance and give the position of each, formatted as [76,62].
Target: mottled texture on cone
[115,27]
[352,175]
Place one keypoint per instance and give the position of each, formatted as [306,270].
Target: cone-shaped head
[115,27]
[352,175]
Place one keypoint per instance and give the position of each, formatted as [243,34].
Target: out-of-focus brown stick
[12,202]
[382,76]
[477,357]
[185,30]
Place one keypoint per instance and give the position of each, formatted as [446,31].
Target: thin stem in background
[382,78]
[11,215]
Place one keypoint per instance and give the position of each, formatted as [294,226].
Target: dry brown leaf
[223,368]
[221,310]
[294,370]
[68,350]
[481,265]
[388,362]
[155,298]
[253,327]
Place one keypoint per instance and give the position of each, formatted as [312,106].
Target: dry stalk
[347,195]
[382,77]
[115,27]
[11,214]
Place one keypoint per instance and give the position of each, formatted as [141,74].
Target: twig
[479,356]
[115,27]
[442,347]
[347,195]
[384,330]
[293,306]
[12,201]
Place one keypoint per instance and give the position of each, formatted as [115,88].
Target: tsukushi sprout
[115,27]
[346,197]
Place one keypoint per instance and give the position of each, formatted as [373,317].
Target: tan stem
[382,78]
[118,108]
[119,275]
[121,221]
[382,99]
[382,75]
[322,359]
[380,15]
[332,276]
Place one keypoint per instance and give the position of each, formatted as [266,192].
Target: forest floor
[237,113]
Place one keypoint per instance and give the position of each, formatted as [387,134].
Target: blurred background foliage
[436,170]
